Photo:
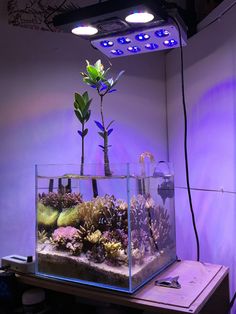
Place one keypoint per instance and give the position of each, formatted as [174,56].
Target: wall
[210,81]
[40,71]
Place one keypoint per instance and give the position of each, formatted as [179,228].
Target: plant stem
[82,154]
[106,158]
[101,111]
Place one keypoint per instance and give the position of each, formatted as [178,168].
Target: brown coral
[160,227]
[89,213]
[150,224]
[59,201]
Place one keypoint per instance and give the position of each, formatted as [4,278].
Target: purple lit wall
[40,71]
[210,77]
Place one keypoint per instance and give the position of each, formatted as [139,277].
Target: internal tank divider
[36,219]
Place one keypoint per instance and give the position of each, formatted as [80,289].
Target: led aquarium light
[123,40]
[121,28]
[170,42]
[141,42]
[110,17]
[142,37]
[162,33]
[139,17]
[84,30]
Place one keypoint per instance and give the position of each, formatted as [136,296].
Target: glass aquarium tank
[114,232]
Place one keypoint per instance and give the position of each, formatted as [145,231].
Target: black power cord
[186,139]
[186,151]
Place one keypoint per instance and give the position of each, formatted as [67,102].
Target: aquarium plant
[96,77]
[82,111]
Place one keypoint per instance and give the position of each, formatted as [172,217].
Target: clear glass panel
[110,231]
[152,221]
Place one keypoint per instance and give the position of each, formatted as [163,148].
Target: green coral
[69,217]
[94,237]
[46,215]
[112,249]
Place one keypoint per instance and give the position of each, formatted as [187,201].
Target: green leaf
[76,105]
[87,115]
[101,134]
[86,108]
[88,81]
[98,64]
[79,112]
[99,67]
[79,115]
[80,100]
[92,72]
[85,97]
[89,102]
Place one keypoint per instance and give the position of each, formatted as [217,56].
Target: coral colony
[98,228]
[95,232]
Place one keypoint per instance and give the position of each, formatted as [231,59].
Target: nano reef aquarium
[114,232]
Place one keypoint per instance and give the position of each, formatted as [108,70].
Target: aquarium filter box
[114,232]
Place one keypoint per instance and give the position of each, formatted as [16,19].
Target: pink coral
[64,233]
[68,238]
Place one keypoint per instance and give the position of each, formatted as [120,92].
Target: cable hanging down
[186,160]
[186,140]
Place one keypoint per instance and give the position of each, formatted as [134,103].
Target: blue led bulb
[106,43]
[133,49]
[162,33]
[170,43]
[117,52]
[142,37]
[123,40]
[151,46]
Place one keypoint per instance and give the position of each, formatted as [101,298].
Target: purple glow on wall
[211,105]
[212,118]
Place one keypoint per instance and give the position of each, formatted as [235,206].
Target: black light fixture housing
[109,16]
[115,35]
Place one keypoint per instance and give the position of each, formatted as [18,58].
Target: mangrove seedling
[96,77]
[82,112]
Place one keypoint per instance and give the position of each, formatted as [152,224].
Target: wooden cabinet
[204,289]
